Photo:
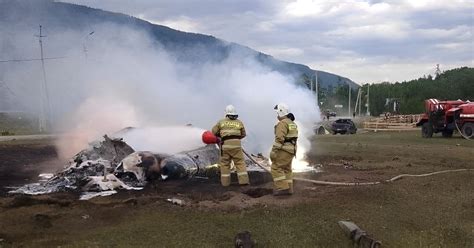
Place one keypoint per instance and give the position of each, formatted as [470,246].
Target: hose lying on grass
[375,183]
[393,179]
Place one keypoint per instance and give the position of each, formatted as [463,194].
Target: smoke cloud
[119,77]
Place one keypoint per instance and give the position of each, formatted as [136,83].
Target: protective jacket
[286,135]
[230,131]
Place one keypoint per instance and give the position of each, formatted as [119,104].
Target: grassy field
[17,123]
[397,150]
[436,211]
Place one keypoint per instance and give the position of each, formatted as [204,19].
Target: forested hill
[449,85]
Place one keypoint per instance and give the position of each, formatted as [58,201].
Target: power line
[5,86]
[27,60]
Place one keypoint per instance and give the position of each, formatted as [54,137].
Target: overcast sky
[368,41]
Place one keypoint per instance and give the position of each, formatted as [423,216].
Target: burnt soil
[431,211]
[21,160]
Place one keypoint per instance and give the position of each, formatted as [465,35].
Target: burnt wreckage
[111,164]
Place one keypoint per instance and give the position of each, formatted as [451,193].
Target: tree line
[410,95]
[450,85]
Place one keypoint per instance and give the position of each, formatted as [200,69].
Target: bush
[7,133]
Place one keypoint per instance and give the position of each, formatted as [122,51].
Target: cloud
[283,51]
[182,23]
[387,31]
[437,4]
[302,8]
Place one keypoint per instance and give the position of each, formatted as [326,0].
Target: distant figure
[231,130]
[327,115]
[354,115]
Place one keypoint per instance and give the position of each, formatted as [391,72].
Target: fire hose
[393,179]
[459,130]
[379,182]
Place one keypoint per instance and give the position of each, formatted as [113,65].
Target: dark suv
[343,126]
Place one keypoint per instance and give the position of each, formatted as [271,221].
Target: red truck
[447,116]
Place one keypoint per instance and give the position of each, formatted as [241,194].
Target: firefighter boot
[283,192]
[290,189]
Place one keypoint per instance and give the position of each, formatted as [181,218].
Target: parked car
[343,126]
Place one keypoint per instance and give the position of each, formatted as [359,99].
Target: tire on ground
[427,130]
[468,130]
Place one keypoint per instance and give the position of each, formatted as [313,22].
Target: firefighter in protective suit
[283,151]
[231,130]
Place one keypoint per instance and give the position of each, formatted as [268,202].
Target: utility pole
[360,99]
[316,87]
[44,96]
[438,71]
[84,49]
[368,97]
[358,102]
[84,46]
[349,100]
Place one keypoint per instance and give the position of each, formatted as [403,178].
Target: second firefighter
[283,151]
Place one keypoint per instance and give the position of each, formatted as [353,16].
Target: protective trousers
[233,154]
[281,169]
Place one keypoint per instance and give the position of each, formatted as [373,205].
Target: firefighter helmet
[230,110]
[282,109]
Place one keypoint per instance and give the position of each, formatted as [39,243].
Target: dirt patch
[26,201]
[42,221]
[257,192]
[22,161]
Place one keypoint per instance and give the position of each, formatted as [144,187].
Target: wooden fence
[393,123]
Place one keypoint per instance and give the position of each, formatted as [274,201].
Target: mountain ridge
[75,16]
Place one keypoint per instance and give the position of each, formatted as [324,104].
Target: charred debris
[110,164]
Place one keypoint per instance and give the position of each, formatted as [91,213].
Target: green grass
[298,226]
[17,124]
[428,212]
[405,151]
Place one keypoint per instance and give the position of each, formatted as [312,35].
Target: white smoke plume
[176,139]
[120,77]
